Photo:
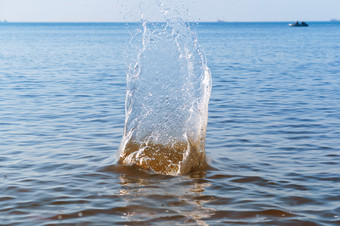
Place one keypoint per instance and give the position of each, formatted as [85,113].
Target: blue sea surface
[273,136]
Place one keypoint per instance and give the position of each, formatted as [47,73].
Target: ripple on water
[272,137]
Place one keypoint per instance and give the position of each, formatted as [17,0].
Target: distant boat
[297,24]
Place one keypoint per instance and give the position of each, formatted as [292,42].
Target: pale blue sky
[199,10]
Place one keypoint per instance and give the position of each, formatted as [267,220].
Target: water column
[168,90]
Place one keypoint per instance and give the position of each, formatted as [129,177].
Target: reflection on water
[151,198]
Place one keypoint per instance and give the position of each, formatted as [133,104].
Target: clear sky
[199,10]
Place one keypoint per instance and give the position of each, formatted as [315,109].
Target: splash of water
[168,90]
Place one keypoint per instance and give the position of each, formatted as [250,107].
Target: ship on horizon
[297,24]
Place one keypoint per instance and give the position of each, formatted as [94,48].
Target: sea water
[272,140]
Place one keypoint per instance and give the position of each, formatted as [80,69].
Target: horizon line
[215,21]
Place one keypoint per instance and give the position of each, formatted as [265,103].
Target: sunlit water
[272,139]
